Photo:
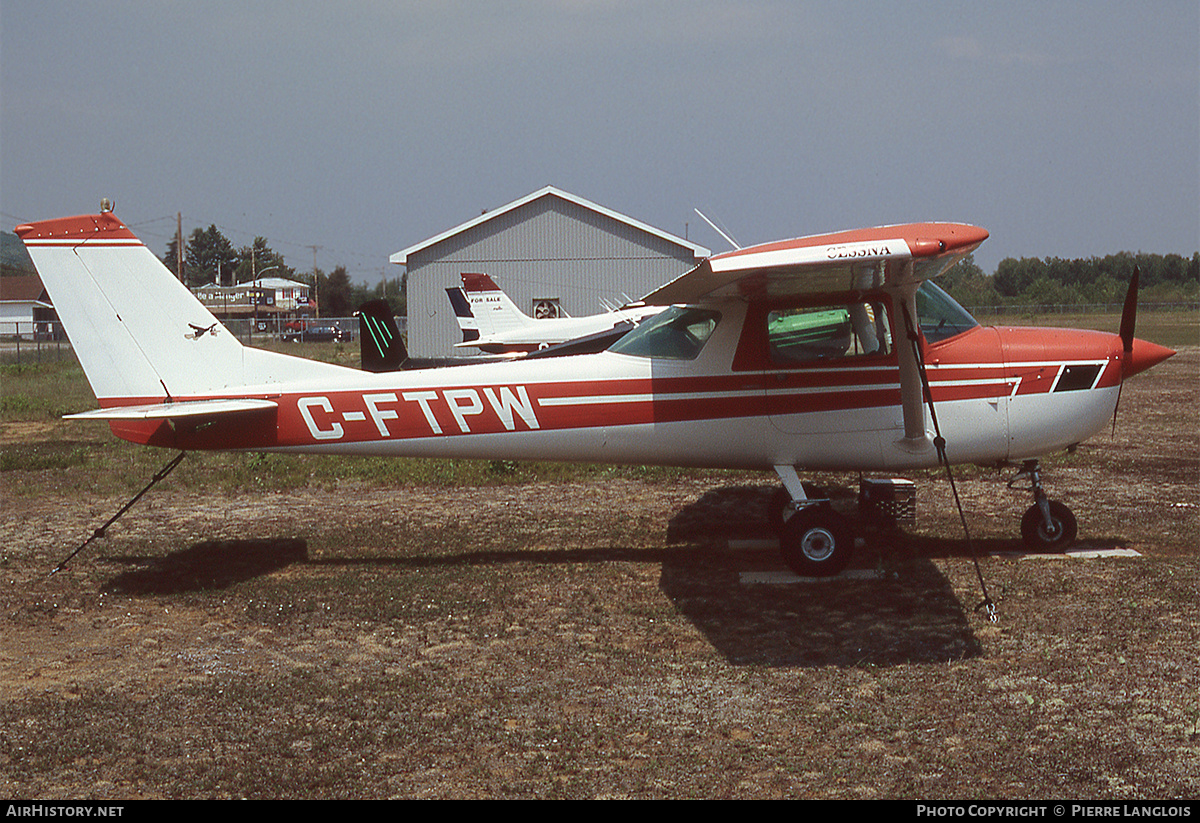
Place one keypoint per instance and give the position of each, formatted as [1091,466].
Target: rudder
[380,343]
[494,311]
[126,321]
[139,334]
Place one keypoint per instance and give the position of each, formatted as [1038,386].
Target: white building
[265,297]
[24,303]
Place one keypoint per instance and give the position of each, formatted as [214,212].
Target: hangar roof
[401,257]
[23,289]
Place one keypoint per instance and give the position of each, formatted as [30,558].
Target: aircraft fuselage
[999,394]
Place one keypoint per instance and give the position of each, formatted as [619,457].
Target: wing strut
[939,442]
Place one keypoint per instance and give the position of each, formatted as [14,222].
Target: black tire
[816,542]
[1060,534]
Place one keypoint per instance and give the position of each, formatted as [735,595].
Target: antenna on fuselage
[717,229]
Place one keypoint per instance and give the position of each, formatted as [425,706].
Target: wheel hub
[1051,530]
[818,544]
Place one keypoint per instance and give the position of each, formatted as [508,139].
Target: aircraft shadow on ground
[909,616]
[211,564]
[906,614]
[891,607]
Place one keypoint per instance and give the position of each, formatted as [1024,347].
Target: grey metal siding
[547,248]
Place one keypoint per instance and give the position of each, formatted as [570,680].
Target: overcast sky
[361,127]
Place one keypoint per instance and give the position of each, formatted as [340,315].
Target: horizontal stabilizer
[175,411]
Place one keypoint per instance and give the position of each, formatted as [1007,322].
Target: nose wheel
[1048,525]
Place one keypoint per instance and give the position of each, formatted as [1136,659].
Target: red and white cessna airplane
[834,352]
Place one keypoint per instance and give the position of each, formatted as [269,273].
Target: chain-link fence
[32,342]
[24,342]
[1076,308]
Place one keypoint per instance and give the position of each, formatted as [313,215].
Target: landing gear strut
[1048,525]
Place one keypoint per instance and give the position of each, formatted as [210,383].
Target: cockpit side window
[940,315]
[828,332]
[678,333]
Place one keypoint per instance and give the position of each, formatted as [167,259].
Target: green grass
[43,391]
[1166,328]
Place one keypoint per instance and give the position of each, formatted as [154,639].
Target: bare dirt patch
[597,639]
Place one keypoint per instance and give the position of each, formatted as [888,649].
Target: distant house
[551,251]
[267,297]
[25,307]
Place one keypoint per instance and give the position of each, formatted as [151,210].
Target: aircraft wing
[825,264]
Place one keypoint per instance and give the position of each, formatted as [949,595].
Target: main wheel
[816,542]
[1042,537]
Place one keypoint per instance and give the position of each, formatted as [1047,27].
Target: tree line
[210,258]
[1031,281]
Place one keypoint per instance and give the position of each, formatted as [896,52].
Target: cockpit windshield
[941,316]
[679,333]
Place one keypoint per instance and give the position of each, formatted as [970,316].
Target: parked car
[313,334]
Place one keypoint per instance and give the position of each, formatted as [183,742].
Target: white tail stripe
[90,243]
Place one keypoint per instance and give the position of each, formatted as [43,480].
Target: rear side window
[828,332]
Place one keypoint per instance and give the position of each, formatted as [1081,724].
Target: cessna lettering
[846,252]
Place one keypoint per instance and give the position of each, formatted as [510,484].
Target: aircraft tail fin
[379,338]
[462,313]
[493,310]
[139,334]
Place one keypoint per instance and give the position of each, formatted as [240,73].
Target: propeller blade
[1117,407]
[1129,313]
[1128,321]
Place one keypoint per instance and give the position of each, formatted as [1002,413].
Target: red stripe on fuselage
[418,412]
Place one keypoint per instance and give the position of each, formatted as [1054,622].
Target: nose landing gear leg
[1048,525]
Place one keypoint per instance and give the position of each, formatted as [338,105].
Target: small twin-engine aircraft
[490,321]
[834,352]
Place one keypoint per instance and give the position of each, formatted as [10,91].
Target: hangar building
[551,251]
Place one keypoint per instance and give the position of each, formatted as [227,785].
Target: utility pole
[315,295]
[179,246]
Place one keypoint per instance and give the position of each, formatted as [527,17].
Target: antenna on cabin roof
[728,239]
